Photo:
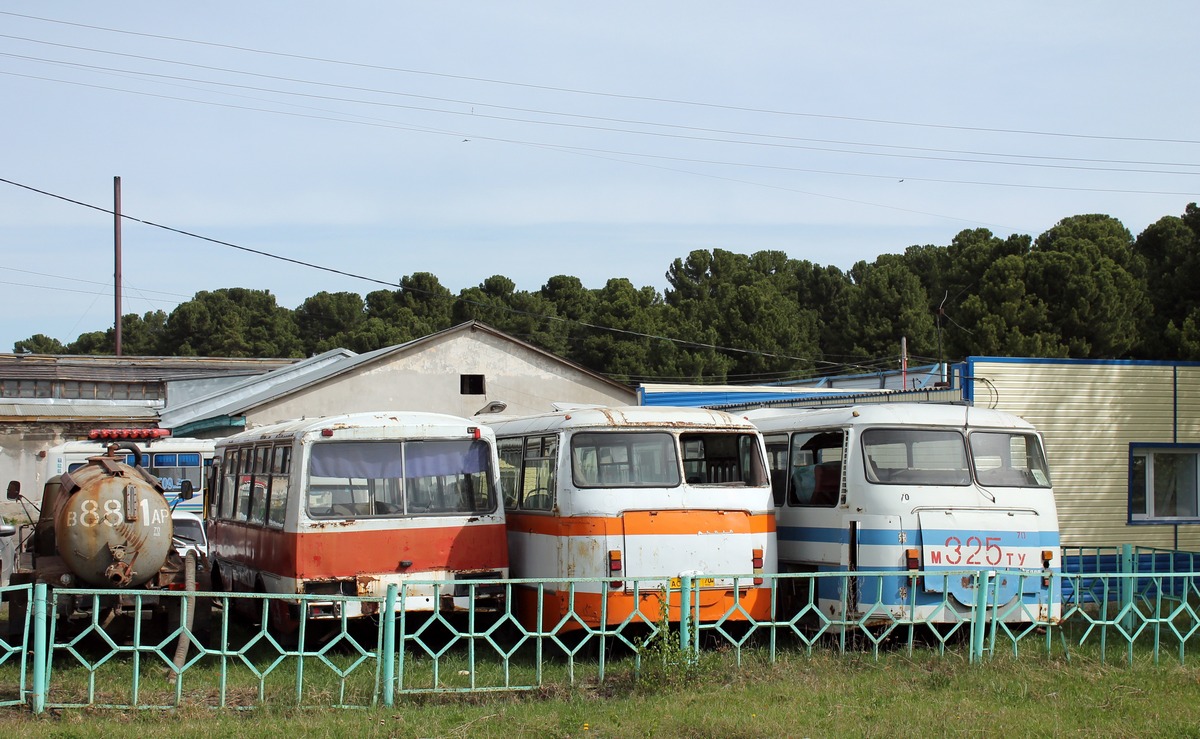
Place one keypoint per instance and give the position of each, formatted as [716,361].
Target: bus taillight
[615,567]
[912,559]
[756,562]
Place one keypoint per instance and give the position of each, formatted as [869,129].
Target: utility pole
[117,250]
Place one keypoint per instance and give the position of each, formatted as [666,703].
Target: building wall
[428,379]
[1089,413]
[22,448]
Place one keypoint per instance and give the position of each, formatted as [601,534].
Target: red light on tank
[128,433]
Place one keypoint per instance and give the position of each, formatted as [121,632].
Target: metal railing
[74,648]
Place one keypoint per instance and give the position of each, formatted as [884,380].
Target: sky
[300,147]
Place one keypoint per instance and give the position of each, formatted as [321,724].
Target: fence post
[40,658]
[1126,566]
[979,617]
[685,615]
[387,651]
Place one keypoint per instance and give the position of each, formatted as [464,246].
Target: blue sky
[532,139]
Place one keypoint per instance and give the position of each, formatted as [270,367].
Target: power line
[472,114]
[576,91]
[331,270]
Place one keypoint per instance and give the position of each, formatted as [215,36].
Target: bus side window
[277,503]
[777,455]
[510,453]
[816,469]
[229,487]
[537,482]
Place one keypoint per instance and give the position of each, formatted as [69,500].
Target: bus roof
[402,423]
[624,417]
[886,414]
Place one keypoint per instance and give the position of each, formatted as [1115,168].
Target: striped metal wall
[1090,412]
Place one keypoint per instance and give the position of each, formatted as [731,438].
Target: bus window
[229,487]
[257,512]
[1013,460]
[280,469]
[511,454]
[391,478]
[537,481]
[722,459]
[815,477]
[915,457]
[777,461]
[624,459]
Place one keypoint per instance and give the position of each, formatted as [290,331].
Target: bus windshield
[932,457]
[915,457]
[619,459]
[398,478]
[624,459]
[1009,460]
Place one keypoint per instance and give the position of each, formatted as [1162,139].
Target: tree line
[1086,288]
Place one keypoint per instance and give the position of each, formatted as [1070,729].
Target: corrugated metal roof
[127,369]
[66,410]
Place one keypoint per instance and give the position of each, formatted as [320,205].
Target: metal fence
[69,648]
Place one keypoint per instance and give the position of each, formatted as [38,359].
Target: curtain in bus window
[351,459]
[431,458]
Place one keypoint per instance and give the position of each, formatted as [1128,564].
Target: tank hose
[181,647]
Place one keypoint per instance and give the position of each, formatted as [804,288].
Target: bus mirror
[14,490]
[186,490]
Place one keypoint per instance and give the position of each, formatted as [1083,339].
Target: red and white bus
[346,505]
[642,495]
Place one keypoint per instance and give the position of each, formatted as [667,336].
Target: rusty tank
[107,525]
[112,523]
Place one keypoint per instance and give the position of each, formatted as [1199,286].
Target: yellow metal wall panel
[1089,414]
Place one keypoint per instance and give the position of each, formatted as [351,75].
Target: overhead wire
[386,283]
[595,93]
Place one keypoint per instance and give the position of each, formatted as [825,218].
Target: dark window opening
[471,385]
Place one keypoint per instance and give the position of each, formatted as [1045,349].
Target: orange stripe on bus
[587,608]
[643,523]
[347,553]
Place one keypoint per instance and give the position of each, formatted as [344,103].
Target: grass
[822,695]
[934,691]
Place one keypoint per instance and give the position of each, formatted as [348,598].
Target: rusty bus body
[346,505]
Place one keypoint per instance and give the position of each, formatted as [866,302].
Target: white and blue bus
[921,491]
[171,459]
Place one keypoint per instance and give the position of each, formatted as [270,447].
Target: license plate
[702,582]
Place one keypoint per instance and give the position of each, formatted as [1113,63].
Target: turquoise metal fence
[84,647]
[14,648]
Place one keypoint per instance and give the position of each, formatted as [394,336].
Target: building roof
[108,368]
[207,412]
[32,410]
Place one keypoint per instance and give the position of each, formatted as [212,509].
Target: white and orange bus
[346,505]
[644,496]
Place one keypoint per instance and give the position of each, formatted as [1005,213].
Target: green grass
[822,695]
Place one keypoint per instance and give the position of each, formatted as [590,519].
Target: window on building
[471,385]
[1164,483]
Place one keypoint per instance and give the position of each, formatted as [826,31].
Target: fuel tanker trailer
[107,525]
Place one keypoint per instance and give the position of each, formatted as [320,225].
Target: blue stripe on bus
[912,537]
